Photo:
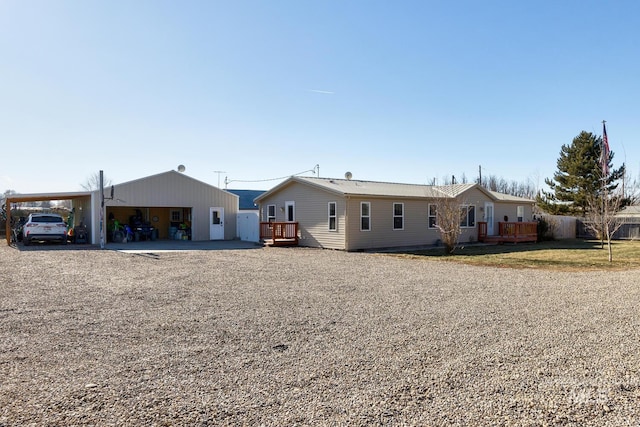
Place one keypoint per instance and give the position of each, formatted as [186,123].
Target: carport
[84,197]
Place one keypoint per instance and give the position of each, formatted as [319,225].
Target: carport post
[8,221]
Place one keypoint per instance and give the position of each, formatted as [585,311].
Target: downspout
[346,222]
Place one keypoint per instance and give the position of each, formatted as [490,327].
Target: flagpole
[604,155]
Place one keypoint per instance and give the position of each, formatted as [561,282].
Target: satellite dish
[348,175]
[181,168]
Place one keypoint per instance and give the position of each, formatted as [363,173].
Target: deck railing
[482,231]
[279,232]
[510,232]
[518,229]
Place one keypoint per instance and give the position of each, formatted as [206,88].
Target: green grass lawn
[568,255]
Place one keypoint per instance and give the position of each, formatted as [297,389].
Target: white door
[216,223]
[290,211]
[488,217]
[248,226]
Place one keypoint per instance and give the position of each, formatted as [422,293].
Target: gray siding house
[355,215]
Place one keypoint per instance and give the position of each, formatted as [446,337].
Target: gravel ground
[281,336]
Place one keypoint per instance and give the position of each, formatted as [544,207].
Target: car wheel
[26,241]
[64,240]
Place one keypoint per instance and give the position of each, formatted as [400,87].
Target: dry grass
[275,336]
[561,255]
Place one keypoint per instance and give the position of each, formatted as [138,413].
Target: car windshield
[46,218]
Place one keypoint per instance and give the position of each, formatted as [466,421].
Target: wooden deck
[279,233]
[509,232]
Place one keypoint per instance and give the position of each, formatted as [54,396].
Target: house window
[398,216]
[271,213]
[175,215]
[365,216]
[432,216]
[520,214]
[467,216]
[333,221]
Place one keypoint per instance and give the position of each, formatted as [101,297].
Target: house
[356,215]
[630,223]
[248,219]
[173,204]
[626,223]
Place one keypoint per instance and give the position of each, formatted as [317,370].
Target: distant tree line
[494,183]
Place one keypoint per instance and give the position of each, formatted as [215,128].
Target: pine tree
[579,177]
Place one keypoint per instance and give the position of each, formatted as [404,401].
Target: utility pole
[219,172]
[480,174]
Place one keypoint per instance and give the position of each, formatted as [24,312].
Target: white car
[41,226]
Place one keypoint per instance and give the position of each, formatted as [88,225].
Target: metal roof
[352,187]
[246,198]
[629,211]
[37,197]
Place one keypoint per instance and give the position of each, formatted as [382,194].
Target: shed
[174,204]
[248,219]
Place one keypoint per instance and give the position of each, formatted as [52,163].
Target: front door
[216,223]
[488,217]
[290,211]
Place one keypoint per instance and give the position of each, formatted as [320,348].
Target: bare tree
[448,216]
[514,188]
[631,189]
[93,182]
[602,217]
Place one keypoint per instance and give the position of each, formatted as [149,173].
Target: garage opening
[76,213]
[132,223]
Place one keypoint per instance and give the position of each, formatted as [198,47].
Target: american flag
[604,155]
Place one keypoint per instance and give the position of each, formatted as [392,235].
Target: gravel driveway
[293,336]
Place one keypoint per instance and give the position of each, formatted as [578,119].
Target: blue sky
[401,91]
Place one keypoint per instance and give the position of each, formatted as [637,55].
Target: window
[467,216]
[333,223]
[175,215]
[271,213]
[398,216]
[432,216]
[365,216]
[520,214]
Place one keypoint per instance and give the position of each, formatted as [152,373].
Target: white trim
[466,220]
[489,219]
[290,207]
[397,216]
[434,216]
[368,216]
[334,216]
[270,218]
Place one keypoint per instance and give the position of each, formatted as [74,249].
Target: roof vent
[181,168]
[348,175]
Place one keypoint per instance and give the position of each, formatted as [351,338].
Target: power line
[316,170]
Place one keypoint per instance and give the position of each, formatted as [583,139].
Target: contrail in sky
[321,91]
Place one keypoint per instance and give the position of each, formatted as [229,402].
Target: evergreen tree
[579,177]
